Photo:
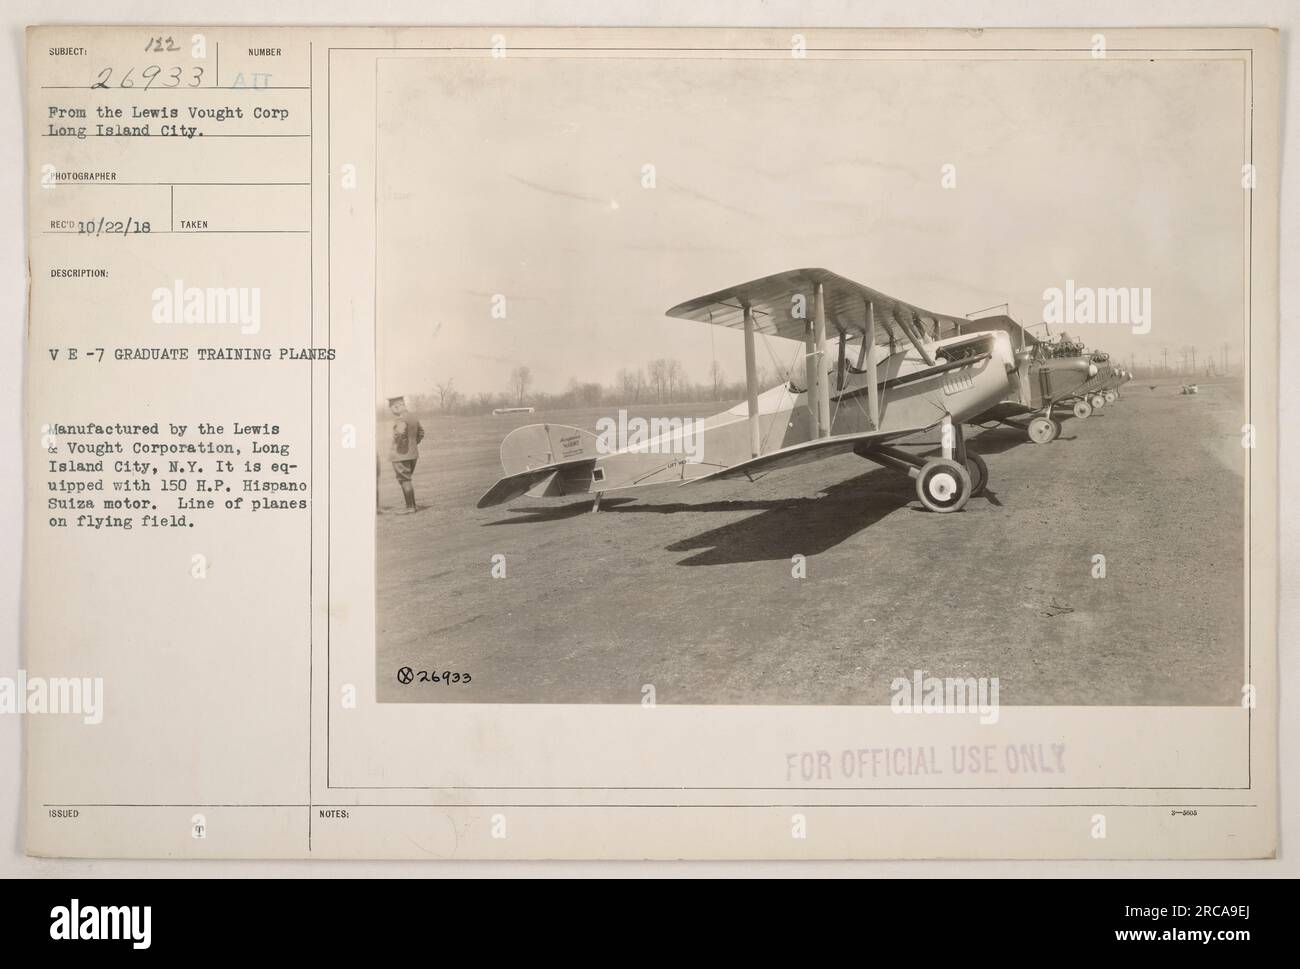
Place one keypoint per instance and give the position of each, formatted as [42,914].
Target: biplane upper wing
[808,451]
[778,311]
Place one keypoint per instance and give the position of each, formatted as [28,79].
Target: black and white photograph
[773,379]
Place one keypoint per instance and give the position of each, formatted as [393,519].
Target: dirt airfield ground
[691,589]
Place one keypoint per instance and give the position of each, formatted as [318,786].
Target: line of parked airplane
[896,370]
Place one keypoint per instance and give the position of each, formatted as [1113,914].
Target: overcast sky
[522,177]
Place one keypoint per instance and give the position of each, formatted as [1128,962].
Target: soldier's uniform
[404,448]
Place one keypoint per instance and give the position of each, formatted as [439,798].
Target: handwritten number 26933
[151,75]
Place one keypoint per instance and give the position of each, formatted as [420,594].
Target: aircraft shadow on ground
[784,527]
[551,513]
[998,440]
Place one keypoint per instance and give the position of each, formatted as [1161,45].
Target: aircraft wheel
[1098,401]
[1059,427]
[979,473]
[1111,396]
[943,485]
[1082,409]
[1043,430]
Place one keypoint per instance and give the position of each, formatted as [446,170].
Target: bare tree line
[1185,361]
[661,381]
[664,381]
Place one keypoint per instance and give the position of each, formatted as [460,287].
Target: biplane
[868,371]
[1110,388]
[1048,375]
[1100,390]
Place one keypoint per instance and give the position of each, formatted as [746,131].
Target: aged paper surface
[510,270]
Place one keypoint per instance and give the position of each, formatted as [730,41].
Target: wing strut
[810,367]
[841,362]
[751,382]
[916,342]
[868,363]
[823,390]
[893,339]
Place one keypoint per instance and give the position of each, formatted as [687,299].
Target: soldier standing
[404,448]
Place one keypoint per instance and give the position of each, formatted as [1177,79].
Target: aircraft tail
[539,445]
[544,461]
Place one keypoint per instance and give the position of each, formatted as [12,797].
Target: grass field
[691,589]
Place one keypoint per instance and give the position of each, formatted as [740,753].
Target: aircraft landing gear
[1043,430]
[1098,401]
[1111,396]
[979,473]
[943,485]
[1082,410]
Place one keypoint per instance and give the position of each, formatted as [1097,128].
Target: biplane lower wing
[809,451]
